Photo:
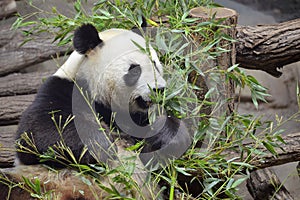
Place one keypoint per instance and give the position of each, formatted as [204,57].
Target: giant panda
[119,76]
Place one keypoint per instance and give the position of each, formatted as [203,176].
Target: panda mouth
[142,103]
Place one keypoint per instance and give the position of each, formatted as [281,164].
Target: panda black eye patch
[133,75]
[132,66]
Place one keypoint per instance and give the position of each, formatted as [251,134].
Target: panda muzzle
[143,103]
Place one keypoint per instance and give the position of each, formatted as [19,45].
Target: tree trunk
[269,47]
[265,185]
[20,84]
[224,60]
[11,108]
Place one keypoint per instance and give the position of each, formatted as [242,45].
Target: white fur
[105,69]
[69,69]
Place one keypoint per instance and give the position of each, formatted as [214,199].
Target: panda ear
[86,38]
[144,22]
[143,26]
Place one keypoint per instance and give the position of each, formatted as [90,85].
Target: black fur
[144,22]
[133,75]
[162,134]
[55,96]
[143,26]
[169,139]
[86,38]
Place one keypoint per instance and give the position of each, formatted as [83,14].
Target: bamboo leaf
[269,147]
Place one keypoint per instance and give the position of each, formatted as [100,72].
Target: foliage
[209,166]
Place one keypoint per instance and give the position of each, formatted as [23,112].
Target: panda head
[117,69]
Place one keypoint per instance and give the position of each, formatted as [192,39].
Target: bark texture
[269,47]
[11,108]
[224,60]
[15,55]
[7,152]
[289,152]
[265,185]
[20,84]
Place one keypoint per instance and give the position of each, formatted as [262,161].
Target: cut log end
[207,13]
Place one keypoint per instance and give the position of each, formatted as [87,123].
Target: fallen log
[269,47]
[16,55]
[264,185]
[11,108]
[289,152]
[21,84]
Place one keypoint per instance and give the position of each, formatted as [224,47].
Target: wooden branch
[263,47]
[20,84]
[265,185]
[11,108]
[290,152]
[7,8]
[269,47]
[14,56]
